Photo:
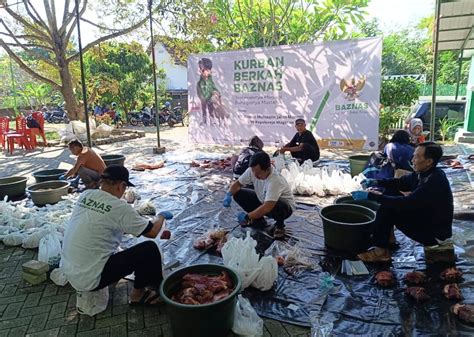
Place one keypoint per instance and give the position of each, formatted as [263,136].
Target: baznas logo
[352,88]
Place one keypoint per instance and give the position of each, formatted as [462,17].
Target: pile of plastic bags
[308,180]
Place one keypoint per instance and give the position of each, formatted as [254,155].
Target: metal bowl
[48,192]
[113,159]
[12,187]
[48,175]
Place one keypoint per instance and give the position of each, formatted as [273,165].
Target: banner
[334,86]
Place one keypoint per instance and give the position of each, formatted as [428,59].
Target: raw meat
[220,164]
[384,278]
[452,292]
[465,312]
[417,293]
[166,235]
[202,289]
[451,274]
[415,277]
[145,166]
[280,260]
[215,239]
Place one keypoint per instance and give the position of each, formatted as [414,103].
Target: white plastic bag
[58,277]
[50,249]
[268,273]
[13,239]
[246,321]
[33,240]
[92,302]
[240,254]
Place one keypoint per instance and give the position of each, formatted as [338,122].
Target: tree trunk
[67,89]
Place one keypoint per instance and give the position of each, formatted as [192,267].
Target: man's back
[91,160]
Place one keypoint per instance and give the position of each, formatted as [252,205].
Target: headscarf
[255,141]
[414,122]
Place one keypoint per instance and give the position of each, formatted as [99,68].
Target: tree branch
[108,37]
[28,69]
[99,26]
[65,13]
[25,23]
[37,19]
[33,45]
[72,17]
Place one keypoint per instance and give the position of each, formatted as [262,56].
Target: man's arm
[155,229]
[235,187]
[262,210]
[291,146]
[403,183]
[73,172]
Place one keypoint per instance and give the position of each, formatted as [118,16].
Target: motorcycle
[143,117]
[56,116]
[171,117]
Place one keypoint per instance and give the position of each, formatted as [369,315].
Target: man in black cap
[94,233]
[303,146]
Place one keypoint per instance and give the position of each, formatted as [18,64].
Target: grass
[51,135]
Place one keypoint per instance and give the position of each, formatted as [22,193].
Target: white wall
[176,75]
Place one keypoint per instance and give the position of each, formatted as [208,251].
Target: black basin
[48,175]
[347,227]
[113,159]
[373,205]
[12,186]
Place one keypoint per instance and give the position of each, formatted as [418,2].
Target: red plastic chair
[19,136]
[32,132]
[4,128]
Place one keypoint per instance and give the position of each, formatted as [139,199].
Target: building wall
[176,75]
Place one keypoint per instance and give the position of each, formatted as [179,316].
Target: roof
[178,49]
[456,27]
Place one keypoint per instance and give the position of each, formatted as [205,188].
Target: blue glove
[62,177]
[360,195]
[242,217]
[227,199]
[366,183]
[166,214]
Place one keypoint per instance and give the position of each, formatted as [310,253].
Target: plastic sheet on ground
[355,305]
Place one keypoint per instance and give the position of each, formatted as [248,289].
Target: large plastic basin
[373,205]
[12,187]
[48,192]
[48,175]
[113,159]
[357,163]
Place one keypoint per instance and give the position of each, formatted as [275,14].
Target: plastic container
[373,205]
[206,320]
[48,175]
[347,227]
[113,159]
[12,186]
[357,163]
[48,192]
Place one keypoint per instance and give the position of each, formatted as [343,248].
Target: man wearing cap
[303,146]
[100,218]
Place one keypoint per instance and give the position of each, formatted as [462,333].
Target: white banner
[334,86]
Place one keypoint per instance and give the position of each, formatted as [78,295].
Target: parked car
[451,109]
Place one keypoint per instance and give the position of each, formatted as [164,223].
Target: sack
[58,277]
[268,273]
[240,254]
[13,239]
[92,302]
[246,320]
[50,249]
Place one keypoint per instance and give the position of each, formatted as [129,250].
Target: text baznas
[257,75]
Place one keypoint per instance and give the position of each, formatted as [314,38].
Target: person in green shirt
[206,89]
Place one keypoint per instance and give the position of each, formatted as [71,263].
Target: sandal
[150,298]
[279,233]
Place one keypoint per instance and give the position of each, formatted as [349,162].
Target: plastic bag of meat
[452,292]
[417,293]
[451,274]
[13,239]
[465,312]
[131,196]
[246,320]
[146,208]
[385,278]
[268,273]
[415,277]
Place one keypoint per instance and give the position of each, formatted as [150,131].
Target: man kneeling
[419,204]
[271,196]
[95,230]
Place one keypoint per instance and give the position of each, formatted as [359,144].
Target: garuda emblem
[353,87]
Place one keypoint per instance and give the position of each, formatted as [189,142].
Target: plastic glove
[242,217]
[62,177]
[166,214]
[227,199]
[366,183]
[360,195]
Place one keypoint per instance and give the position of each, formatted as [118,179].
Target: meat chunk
[415,277]
[451,274]
[280,260]
[465,312]
[452,292]
[384,278]
[215,239]
[417,293]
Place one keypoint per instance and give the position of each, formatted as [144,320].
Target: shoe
[279,233]
[376,255]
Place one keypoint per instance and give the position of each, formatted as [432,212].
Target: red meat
[452,292]
[417,293]
[465,312]
[415,277]
[384,278]
[451,274]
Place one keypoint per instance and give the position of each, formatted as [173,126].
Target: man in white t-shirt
[271,196]
[100,218]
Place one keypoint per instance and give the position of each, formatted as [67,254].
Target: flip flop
[147,299]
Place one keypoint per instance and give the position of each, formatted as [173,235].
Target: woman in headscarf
[242,160]
[416,131]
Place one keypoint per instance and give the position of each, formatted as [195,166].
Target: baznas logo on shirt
[95,205]
[352,88]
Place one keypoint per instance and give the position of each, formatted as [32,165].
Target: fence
[443,90]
